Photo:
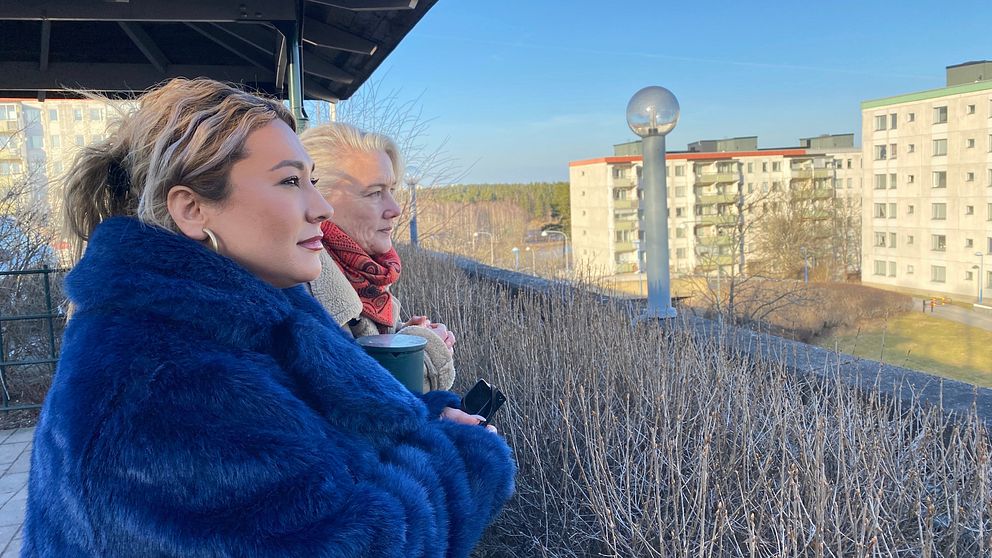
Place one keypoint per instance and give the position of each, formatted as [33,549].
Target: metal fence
[31,324]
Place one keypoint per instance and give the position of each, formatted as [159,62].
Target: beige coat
[339,298]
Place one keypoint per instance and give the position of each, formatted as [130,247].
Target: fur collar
[151,276]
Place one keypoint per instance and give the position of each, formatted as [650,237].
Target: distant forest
[544,202]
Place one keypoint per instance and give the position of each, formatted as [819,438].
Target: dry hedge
[634,441]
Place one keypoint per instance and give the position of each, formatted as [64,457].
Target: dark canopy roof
[121,46]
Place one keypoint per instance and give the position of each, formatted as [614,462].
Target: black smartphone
[483,400]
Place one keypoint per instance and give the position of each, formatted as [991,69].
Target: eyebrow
[299,165]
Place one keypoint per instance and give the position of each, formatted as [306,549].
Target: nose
[391,209]
[318,208]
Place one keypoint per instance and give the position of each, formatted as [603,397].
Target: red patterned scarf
[369,275]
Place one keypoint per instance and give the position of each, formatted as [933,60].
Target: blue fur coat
[197,411]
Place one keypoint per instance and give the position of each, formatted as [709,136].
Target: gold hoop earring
[213,239]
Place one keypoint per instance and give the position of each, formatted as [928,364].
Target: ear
[188,211]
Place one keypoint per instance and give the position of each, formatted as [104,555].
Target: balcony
[718,220]
[624,204]
[713,178]
[715,240]
[624,225]
[629,267]
[624,247]
[9,126]
[709,262]
[624,182]
[709,199]
[806,174]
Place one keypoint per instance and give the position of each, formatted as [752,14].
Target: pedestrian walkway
[968,316]
[15,460]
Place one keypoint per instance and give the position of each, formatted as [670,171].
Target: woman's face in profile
[361,189]
[270,222]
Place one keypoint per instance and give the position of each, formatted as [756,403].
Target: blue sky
[520,88]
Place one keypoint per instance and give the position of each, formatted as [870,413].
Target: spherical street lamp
[651,113]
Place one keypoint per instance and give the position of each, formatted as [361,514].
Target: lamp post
[652,113]
[516,258]
[981,273]
[533,259]
[412,178]
[564,245]
[492,253]
[805,255]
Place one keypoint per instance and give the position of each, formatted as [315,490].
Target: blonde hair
[187,131]
[329,143]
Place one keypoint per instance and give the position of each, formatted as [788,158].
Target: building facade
[928,187]
[707,188]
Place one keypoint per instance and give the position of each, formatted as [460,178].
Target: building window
[911,148]
[892,269]
[53,114]
[680,232]
[96,114]
[969,276]
[938,242]
[940,115]
[910,179]
[892,121]
[892,181]
[971,109]
[680,191]
[990,177]
[969,143]
[892,151]
[880,240]
[892,240]
[880,122]
[764,167]
[969,243]
[880,181]
[909,240]
[680,253]
[750,167]
[969,177]
[938,211]
[848,163]
[969,210]
[680,212]
[8,112]
[79,140]
[57,167]
[55,141]
[679,170]
[892,211]
[940,179]
[939,147]
[879,212]
[938,273]
[880,152]
[35,142]
[879,267]
[988,211]
[909,270]
[777,166]
[77,115]
[850,183]
[910,209]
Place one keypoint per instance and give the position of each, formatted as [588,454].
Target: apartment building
[38,141]
[707,185]
[928,192]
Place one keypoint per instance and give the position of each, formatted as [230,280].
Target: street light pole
[412,178]
[652,113]
[564,245]
[981,274]
[492,252]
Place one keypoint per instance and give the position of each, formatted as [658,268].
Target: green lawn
[922,342]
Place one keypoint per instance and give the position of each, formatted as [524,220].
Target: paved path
[975,318]
[15,460]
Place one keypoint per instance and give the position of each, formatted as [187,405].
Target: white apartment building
[38,141]
[928,187]
[703,194]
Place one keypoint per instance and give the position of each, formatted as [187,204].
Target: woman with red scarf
[358,174]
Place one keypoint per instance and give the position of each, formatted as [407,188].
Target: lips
[313,243]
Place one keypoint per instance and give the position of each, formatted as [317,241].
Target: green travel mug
[402,355]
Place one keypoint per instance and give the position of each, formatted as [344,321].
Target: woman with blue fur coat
[204,403]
